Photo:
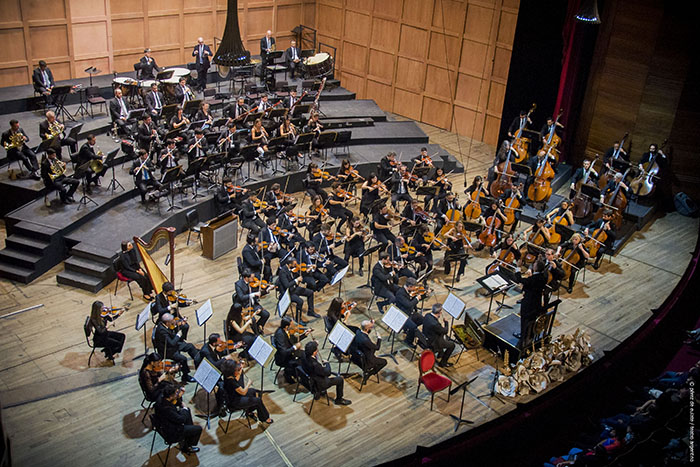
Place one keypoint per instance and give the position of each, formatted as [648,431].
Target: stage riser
[30,251]
[80,281]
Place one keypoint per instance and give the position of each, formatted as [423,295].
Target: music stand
[59,94]
[395,319]
[92,71]
[463,387]
[249,153]
[109,162]
[135,114]
[164,74]
[305,139]
[301,109]
[170,177]
[277,113]
[80,173]
[421,171]
[494,284]
[193,170]
[565,231]
[191,106]
[368,253]
[427,190]
[592,191]
[82,95]
[74,131]
[168,111]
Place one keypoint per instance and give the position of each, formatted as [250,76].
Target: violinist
[252,259]
[584,174]
[164,303]
[363,342]
[439,179]
[313,278]
[612,186]
[289,349]
[436,334]
[153,379]
[371,192]
[506,249]
[247,297]
[384,281]
[249,217]
[128,265]
[407,302]
[313,181]
[176,420]
[424,245]
[609,229]
[289,223]
[457,242]
[575,244]
[288,282]
[347,175]
[411,218]
[273,248]
[422,159]
[338,202]
[241,328]
[110,341]
[209,350]
[143,171]
[381,227]
[398,254]
[324,241]
[171,346]
[341,311]
[317,213]
[320,372]
[387,166]
[355,235]
[400,184]
[239,394]
[168,157]
[276,199]
[448,204]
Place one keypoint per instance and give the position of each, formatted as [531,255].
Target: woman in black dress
[239,394]
[239,329]
[110,341]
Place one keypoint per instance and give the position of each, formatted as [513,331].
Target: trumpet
[58,168]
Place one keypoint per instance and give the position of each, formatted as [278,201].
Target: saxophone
[16,141]
[58,168]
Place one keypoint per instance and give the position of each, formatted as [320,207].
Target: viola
[228,345]
[295,328]
[280,231]
[409,177]
[302,267]
[231,188]
[425,215]
[347,307]
[419,291]
[408,249]
[345,194]
[381,186]
[354,173]
[262,284]
[320,210]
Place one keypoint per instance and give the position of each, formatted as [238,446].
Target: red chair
[122,278]
[433,382]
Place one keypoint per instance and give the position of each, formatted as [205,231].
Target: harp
[155,274]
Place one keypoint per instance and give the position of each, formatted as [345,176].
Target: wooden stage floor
[60,412]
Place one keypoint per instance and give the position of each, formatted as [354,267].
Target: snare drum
[126,84]
[319,65]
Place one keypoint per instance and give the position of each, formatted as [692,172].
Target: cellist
[569,250]
[535,164]
[609,229]
[449,203]
[504,153]
[503,252]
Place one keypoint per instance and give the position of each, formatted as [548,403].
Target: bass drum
[320,64]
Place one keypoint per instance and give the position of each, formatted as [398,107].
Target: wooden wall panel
[401,61]
[111,34]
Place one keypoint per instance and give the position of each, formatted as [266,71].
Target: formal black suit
[250,219]
[265,48]
[531,304]
[145,135]
[202,54]
[364,344]
[23,153]
[161,305]
[207,352]
[384,285]
[181,95]
[287,282]
[38,80]
[86,154]
[610,153]
[177,423]
[128,265]
[436,334]
[146,67]
[245,298]
[144,178]
[286,356]
[407,304]
[321,375]
[115,112]
[515,124]
[289,55]
[171,346]
[154,103]
[252,260]
[65,186]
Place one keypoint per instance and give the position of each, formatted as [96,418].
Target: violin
[318,173]
[180,298]
[347,307]
[298,329]
[165,366]
[262,284]
[428,217]
[419,291]
[259,204]
[112,313]
[228,345]
[302,267]
[345,194]
[411,250]
[354,173]
[430,237]
[231,188]
[425,160]
[337,238]
[381,186]
[320,210]
[248,312]
[409,177]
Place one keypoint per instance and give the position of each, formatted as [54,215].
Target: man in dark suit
[321,374]
[252,259]
[292,57]
[87,153]
[534,283]
[161,305]
[584,174]
[171,346]
[202,52]
[119,111]
[406,303]
[21,153]
[267,45]
[176,420]
[144,176]
[288,282]
[59,138]
[520,121]
[364,344]
[436,334]
[289,349]
[250,219]
[154,101]
[198,147]
[146,66]
[235,110]
[42,78]
[291,99]
[65,186]
[246,296]
[384,281]
[183,93]
[147,133]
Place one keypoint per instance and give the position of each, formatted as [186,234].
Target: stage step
[16,273]
[79,280]
[19,258]
[32,245]
[96,254]
[87,266]
[32,230]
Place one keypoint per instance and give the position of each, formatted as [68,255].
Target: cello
[644,184]
[472,210]
[520,143]
[541,188]
[489,235]
[505,258]
[504,179]
[616,200]
[562,219]
[596,241]
[535,241]
[553,140]
[512,205]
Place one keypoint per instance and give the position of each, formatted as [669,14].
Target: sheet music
[260,351]
[495,282]
[207,375]
[341,336]
[339,275]
[395,319]
[454,306]
[142,317]
[283,304]
[204,312]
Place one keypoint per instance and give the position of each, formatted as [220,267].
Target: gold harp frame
[155,275]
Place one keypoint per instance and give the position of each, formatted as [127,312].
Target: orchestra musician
[274,248]
[211,351]
[439,179]
[247,297]
[110,341]
[252,259]
[147,134]
[614,153]
[381,227]
[267,45]
[324,241]
[168,157]
[574,243]
[547,128]
[202,52]
[535,163]
[457,242]
[583,174]
[164,303]
[152,379]
[363,342]
[53,129]
[662,181]
[408,303]
[264,103]
[288,131]
[436,334]
[553,271]
[146,66]
[180,122]
[142,170]
[387,166]
[89,152]
[321,373]
[227,140]
[355,234]
[289,349]
[313,182]
[411,219]
[53,175]
[204,114]
[236,110]
[176,420]
[199,146]
[288,282]
[276,199]
[507,244]
[505,152]
[564,210]
[477,185]
[449,203]
[249,217]
[119,112]
[20,152]
[521,121]
[313,125]
[240,329]
[128,265]
[371,192]
[400,183]
[533,282]
[292,57]
[170,345]
[424,248]
[609,229]
[314,279]
[183,93]
[291,100]
[384,281]
[154,101]
[42,78]
[259,136]
[341,311]
[422,160]
[612,186]
[240,395]
[401,258]
[338,203]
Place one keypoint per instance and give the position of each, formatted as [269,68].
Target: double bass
[644,184]
[583,204]
[616,200]
[521,144]
[610,173]
[553,140]
[541,188]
